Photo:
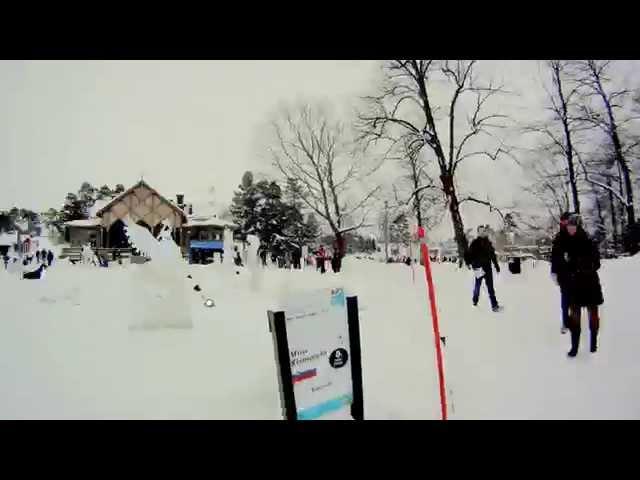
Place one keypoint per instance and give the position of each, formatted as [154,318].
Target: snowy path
[66,350]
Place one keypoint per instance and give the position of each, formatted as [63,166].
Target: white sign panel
[318,338]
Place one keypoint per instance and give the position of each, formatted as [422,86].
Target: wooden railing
[75,253]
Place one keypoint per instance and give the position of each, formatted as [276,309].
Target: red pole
[436,328]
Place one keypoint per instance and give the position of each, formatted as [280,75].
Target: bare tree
[404,112]
[550,186]
[559,133]
[593,77]
[601,170]
[426,196]
[316,152]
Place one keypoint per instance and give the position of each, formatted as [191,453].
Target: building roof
[97,206]
[8,238]
[87,223]
[141,183]
[208,221]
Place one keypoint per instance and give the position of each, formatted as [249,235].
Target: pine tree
[104,193]
[399,230]
[119,189]
[74,208]
[259,210]
[244,204]
[296,228]
[311,229]
[272,214]
[86,192]
[293,193]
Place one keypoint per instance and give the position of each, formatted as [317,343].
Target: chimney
[191,209]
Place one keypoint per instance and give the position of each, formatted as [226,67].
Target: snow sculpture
[160,286]
[253,262]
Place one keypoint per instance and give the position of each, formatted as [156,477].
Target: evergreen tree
[119,189]
[104,193]
[86,192]
[311,229]
[259,210]
[399,230]
[272,215]
[244,204]
[297,229]
[74,208]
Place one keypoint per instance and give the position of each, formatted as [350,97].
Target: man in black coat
[576,260]
[480,256]
[558,271]
[49,257]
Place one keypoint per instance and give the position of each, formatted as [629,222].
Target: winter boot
[575,342]
[594,341]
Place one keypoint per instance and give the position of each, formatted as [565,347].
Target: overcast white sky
[184,125]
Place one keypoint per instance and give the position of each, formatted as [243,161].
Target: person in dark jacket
[480,256]
[558,272]
[38,256]
[49,257]
[576,259]
[237,259]
[296,256]
[320,259]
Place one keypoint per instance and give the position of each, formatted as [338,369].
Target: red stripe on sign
[307,374]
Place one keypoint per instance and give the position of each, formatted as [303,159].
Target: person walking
[50,257]
[480,256]
[321,254]
[558,270]
[296,255]
[577,256]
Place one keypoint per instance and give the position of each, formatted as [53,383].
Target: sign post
[317,349]
[434,318]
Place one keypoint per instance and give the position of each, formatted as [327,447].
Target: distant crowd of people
[43,256]
[31,266]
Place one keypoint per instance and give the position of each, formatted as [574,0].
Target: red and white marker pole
[434,317]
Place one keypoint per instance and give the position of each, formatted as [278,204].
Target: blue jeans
[488,278]
[564,305]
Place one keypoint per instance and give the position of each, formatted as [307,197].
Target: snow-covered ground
[66,350]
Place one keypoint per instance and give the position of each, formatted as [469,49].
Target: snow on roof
[8,238]
[90,222]
[21,224]
[97,205]
[208,221]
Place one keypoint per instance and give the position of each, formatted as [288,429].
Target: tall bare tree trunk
[417,199]
[624,169]
[614,222]
[564,118]
[623,223]
[456,218]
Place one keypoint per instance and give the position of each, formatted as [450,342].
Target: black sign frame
[278,329]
